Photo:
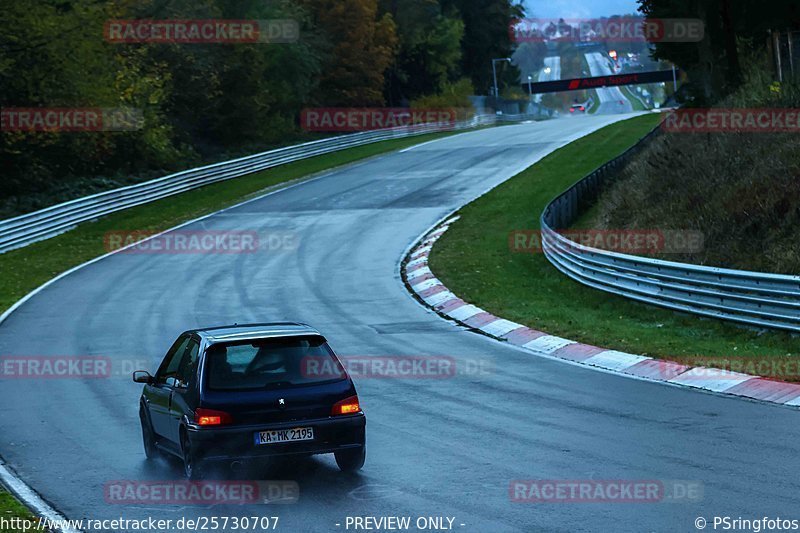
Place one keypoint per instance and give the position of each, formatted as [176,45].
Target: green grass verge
[628,93]
[595,103]
[473,260]
[11,508]
[26,268]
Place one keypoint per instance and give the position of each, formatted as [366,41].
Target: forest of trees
[202,101]
[732,27]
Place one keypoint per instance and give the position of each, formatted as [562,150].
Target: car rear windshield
[271,363]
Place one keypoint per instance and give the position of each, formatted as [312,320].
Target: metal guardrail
[784,47]
[752,298]
[25,229]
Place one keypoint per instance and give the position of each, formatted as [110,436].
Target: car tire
[151,450]
[192,466]
[351,460]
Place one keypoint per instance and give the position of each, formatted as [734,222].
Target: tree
[713,63]
[52,55]
[249,93]
[362,45]
[487,35]
[529,59]
[429,51]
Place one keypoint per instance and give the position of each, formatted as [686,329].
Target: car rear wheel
[148,438]
[351,460]
[192,467]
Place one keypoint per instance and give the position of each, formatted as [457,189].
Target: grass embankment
[740,190]
[595,103]
[26,268]
[10,508]
[474,260]
[637,104]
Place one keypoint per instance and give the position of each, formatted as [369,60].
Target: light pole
[674,79]
[530,93]
[494,73]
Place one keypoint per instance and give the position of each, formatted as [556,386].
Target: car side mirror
[141,376]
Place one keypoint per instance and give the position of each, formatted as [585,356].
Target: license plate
[276,436]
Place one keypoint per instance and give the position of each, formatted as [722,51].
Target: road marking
[422,252]
[712,379]
[795,402]
[439,297]
[418,273]
[427,284]
[404,150]
[500,327]
[416,262]
[547,344]
[613,360]
[465,311]
[26,494]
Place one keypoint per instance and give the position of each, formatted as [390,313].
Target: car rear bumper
[238,443]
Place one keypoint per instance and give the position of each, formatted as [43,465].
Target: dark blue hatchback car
[236,393]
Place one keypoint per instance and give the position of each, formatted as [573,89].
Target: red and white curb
[427,287]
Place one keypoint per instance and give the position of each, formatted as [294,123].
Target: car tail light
[582,108]
[348,406]
[571,109]
[210,417]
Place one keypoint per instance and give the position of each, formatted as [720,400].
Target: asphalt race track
[611,98]
[554,64]
[436,447]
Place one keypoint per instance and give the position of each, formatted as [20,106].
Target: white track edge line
[25,493]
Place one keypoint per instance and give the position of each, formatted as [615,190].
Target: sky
[579,8]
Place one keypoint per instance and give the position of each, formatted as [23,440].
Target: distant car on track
[578,107]
[238,393]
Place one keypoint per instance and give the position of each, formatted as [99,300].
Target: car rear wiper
[278,384]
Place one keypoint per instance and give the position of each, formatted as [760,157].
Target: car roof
[237,332]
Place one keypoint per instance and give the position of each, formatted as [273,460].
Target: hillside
[741,190]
